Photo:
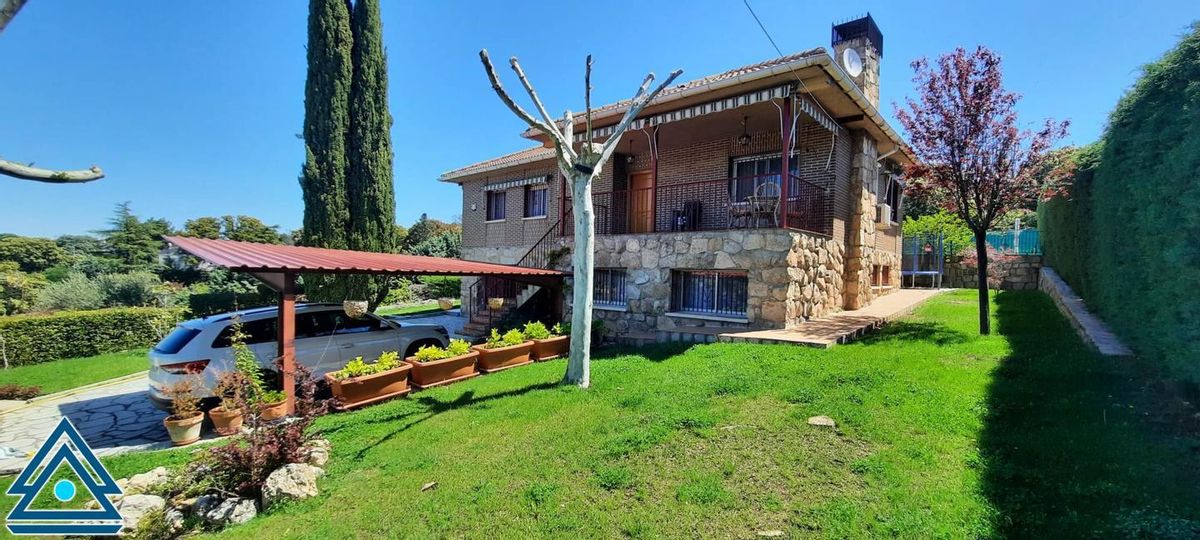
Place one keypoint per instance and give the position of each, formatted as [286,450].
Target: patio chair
[765,203]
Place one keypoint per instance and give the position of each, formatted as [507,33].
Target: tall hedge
[32,339]
[1129,239]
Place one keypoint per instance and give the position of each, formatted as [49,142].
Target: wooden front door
[641,205]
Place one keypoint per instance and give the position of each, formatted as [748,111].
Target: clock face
[852,62]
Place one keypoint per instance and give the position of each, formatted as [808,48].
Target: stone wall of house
[791,276]
[1017,272]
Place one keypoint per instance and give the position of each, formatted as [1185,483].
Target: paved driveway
[116,417]
[112,418]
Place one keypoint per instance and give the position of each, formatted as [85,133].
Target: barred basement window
[608,287]
[496,200]
[709,292]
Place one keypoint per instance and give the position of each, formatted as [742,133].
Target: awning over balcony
[803,103]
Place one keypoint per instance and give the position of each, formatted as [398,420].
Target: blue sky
[192,108]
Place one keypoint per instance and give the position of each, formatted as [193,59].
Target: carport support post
[287,338]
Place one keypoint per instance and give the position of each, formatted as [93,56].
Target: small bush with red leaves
[16,391]
[242,466]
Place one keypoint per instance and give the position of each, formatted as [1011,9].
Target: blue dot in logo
[64,490]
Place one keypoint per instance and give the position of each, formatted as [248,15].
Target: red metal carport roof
[271,258]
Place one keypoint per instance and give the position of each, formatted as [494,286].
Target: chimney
[864,37]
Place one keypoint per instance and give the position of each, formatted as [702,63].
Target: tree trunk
[985,326]
[583,256]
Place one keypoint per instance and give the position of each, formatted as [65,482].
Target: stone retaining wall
[1020,272]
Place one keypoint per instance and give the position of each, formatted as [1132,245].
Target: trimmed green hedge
[32,339]
[1128,239]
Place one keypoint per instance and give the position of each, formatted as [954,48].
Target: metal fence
[1023,242]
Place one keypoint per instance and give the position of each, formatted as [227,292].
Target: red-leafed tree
[963,127]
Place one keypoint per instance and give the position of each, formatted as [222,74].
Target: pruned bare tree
[580,167]
[26,172]
[8,10]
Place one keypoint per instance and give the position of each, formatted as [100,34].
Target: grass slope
[941,434]
[61,375]
[427,308]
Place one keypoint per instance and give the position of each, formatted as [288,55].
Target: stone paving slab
[842,326]
[112,419]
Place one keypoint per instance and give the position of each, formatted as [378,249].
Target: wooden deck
[842,326]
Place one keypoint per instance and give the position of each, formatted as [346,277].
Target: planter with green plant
[267,404]
[435,366]
[503,351]
[360,383]
[227,417]
[183,425]
[548,343]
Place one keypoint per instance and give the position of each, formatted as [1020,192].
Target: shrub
[32,339]
[508,339]
[242,466]
[32,254]
[536,330]
[231,388]
[429,353]
[18,291]
[75,293]
[184,402]
[1126,238]
[16,391]
[387,361]
[132,289]
[956,237]
[561,329]
[434,287]
[203,304]
[400,293]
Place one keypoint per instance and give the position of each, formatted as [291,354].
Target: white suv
[326,339]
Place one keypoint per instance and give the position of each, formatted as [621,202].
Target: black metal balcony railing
[708,205]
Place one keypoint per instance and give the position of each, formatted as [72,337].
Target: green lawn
[430,308]
[61,375]
[941,434]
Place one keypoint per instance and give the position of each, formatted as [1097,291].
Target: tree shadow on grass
[922,331]
[432,406]
[1068,447]
[656,352]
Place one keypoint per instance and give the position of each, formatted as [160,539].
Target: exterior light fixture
[744,138]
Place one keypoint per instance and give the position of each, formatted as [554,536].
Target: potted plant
[503,351]
[267,404]
[228,416]
[183,425]
[360,383]
[272,405]
[445,304]
[434,366]
[548,343]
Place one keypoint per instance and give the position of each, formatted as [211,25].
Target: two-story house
[699,221]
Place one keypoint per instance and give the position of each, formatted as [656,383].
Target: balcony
[745,202]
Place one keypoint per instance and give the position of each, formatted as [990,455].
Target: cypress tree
[370,193]
[326,123]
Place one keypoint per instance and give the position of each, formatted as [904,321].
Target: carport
[278,265]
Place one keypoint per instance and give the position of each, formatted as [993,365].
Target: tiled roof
[539,153]
[528,155]
[736,72]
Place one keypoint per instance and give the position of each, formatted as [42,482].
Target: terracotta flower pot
[368,389]
[444,371]
[273,411]
[503,358]
[445,304]
[226,422]
[495,303]
[554,347]
[184,431]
